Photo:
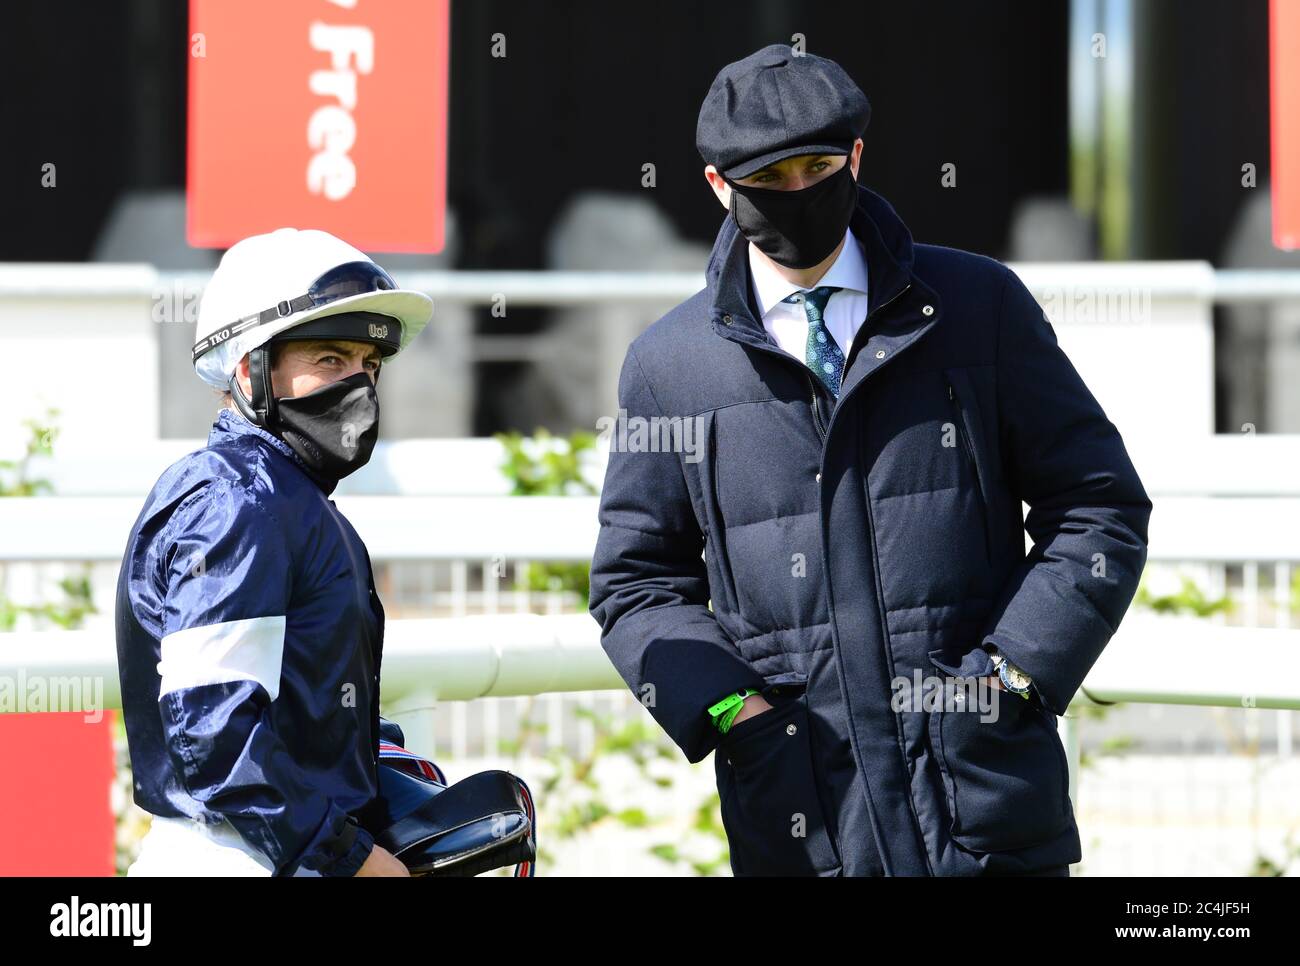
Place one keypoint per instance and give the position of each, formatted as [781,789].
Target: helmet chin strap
[261,410]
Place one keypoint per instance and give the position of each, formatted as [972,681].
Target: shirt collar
[848,271]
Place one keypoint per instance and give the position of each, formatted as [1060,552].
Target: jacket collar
[913,306]
[848,272]
[886,242]
[231,425]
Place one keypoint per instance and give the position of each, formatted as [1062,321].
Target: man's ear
[242,377]
[721,190]
[855,157]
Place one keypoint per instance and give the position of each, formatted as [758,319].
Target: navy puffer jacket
[859,551]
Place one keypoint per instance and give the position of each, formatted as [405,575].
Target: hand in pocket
[753,706]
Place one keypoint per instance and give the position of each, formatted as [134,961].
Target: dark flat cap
[776,104]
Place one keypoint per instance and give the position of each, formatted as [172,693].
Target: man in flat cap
[834,594]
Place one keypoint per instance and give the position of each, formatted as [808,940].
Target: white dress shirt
[787,323]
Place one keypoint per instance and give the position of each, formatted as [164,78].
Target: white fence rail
[1189,279]
[1113,319]
[1152,660]
[394,528]
[1219,529]
[446,659]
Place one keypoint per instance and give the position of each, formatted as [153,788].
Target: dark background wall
[590,97]
[590,91]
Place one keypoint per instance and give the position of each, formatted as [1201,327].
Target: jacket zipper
[822,431]
[817,408]
[817,413]
[718,553]
[867,321]
[822,428]
[960,424]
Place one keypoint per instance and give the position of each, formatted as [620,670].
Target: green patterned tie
[821,353]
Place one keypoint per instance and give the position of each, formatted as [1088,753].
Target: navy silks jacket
[830,553]
[249,638]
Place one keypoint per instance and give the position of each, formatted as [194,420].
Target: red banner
[324,114]
[56,813]
[1284,43]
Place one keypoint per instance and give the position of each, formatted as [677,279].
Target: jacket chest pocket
[965,423]
[925,460]
[1006,780]
[713,528]
[771,808]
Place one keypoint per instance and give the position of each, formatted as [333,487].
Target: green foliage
[570,797]
[41,434]
[1117,745]
[558,577]
[15,481]
[1266,867]
[67,614]
[1190,599]
[547,465]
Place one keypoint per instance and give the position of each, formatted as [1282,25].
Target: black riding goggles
[340,282]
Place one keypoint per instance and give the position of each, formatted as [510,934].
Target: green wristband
[725,711]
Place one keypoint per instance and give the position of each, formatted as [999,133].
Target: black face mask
[797,229]
[334,428]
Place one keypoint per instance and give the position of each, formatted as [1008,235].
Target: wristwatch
[1013,679]
[726,710]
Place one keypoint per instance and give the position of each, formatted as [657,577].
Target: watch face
[1016,678]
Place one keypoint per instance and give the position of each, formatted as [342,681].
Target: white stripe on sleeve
[247,650]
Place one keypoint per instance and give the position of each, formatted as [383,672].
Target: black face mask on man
[797,229]
[333,428]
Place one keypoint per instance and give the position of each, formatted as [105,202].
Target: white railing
[1187,279]
[446,659]
[394,528]
[1152,660]
[1113,318]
